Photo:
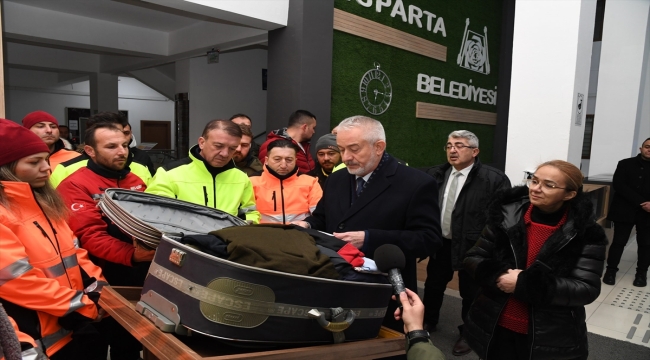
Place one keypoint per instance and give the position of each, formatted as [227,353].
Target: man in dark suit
[630,207]
[466,187]
[378,201]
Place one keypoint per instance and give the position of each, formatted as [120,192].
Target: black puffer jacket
[468,217]
[564,278]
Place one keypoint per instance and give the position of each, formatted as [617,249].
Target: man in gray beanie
[328,155]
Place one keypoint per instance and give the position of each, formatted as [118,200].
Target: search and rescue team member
[209,176]
[43,270]
[280,194]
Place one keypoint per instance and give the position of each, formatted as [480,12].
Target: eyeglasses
[458,146]
[547,185]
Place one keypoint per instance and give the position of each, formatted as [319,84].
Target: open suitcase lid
[147,217]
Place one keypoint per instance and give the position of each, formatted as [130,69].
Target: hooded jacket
[283,199]
[193,179]
[564,278]
[108,246]
[43,270]
[251,165]
[304,161]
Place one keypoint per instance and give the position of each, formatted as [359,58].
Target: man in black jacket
[377,201]
[630,207]
[465,189]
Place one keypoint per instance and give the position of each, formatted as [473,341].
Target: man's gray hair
[471,138]
[374,129]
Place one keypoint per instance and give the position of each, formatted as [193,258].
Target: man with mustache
[208,176]
[47,128]
[328,156]
[123,261]
[465,188]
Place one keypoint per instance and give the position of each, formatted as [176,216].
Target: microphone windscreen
[389,256]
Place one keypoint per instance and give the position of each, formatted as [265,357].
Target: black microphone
[390,259]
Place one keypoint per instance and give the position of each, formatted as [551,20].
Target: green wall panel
[418,141]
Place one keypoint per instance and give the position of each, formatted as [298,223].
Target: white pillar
[550,66]
[103,93]
[621,116]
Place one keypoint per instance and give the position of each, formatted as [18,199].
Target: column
[621,120]
[103,93]
[550,67]
[300,65]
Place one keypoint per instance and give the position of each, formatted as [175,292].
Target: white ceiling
[125,13]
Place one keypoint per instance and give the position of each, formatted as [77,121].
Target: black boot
[610,276]
[640,279]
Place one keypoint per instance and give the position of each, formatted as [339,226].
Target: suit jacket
[399,206]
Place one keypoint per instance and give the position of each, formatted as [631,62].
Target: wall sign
[375,91]
[579,106]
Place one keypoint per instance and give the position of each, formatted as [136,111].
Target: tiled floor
[622,311]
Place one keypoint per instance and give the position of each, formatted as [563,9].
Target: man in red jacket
[123,262]
[301,128]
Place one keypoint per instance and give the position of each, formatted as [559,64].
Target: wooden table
[119,303]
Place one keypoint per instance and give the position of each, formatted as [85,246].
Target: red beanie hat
[37,116]
[17,142]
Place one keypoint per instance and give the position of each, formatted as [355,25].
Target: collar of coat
[508,206]
[195,152]
[109,173]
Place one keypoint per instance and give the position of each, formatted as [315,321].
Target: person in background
[44,271]
[208,176]
[138,161]
[243,119]
[243,158]
[300,130]
[328,156]
[47,128]
[538,262]
[466,187]
[280,194]
[64,135]
[418,340]
[630,208]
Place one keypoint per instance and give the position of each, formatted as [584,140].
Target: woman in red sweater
[539,261]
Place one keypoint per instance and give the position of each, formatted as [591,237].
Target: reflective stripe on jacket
[188,179]
[41,269]
[284,201]
[67,168]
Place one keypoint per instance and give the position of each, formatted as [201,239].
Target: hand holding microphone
[390,259]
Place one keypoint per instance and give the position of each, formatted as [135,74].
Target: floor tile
[590,308]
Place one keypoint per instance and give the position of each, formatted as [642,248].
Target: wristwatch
[416,336]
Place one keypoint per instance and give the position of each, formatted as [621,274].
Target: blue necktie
[360,183]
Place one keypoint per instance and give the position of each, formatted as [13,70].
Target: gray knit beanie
[327,141]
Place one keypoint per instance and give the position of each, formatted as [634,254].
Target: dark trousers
[622,231]
[439,274]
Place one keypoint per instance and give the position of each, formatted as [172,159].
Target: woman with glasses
[538,261]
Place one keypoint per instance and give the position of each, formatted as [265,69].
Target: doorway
[158,132]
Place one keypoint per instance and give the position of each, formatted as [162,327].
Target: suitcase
[187,290]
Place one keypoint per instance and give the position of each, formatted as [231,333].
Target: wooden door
[156,132]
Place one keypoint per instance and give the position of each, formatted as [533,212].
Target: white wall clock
[375,91]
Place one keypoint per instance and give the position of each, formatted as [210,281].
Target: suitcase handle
[334,327]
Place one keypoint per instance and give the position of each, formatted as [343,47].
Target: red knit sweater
[515,315]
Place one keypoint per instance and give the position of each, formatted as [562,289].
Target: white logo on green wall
[375,91]
[473,53]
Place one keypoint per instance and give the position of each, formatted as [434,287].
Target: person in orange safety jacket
[47,128]
[44,274]
[281,195]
